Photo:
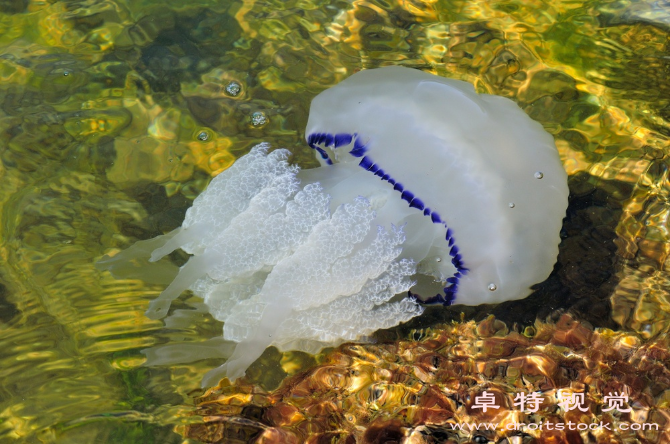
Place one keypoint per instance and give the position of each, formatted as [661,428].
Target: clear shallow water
[114,115]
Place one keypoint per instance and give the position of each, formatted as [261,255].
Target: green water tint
[102,109]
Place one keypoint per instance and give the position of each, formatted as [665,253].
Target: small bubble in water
[258,118]
[511,205]
[233,88]
[438,259]
[539,175]
[492,287]
[203,136]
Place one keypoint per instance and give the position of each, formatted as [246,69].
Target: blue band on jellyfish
[359,149]
[334,141]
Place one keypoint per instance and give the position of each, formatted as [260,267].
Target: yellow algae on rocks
[428,390]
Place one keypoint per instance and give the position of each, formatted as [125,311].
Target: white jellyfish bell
[428,192]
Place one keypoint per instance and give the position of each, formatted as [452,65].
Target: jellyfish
[427,193]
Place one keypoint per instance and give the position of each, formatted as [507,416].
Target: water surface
[114,115]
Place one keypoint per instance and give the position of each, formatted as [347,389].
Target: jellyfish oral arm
[247,351]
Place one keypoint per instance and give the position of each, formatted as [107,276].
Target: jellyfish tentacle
[179,239]
[194,269]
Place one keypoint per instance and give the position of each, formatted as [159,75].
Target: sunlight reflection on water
[101,108]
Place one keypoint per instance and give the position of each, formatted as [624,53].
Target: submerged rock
[607,386]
